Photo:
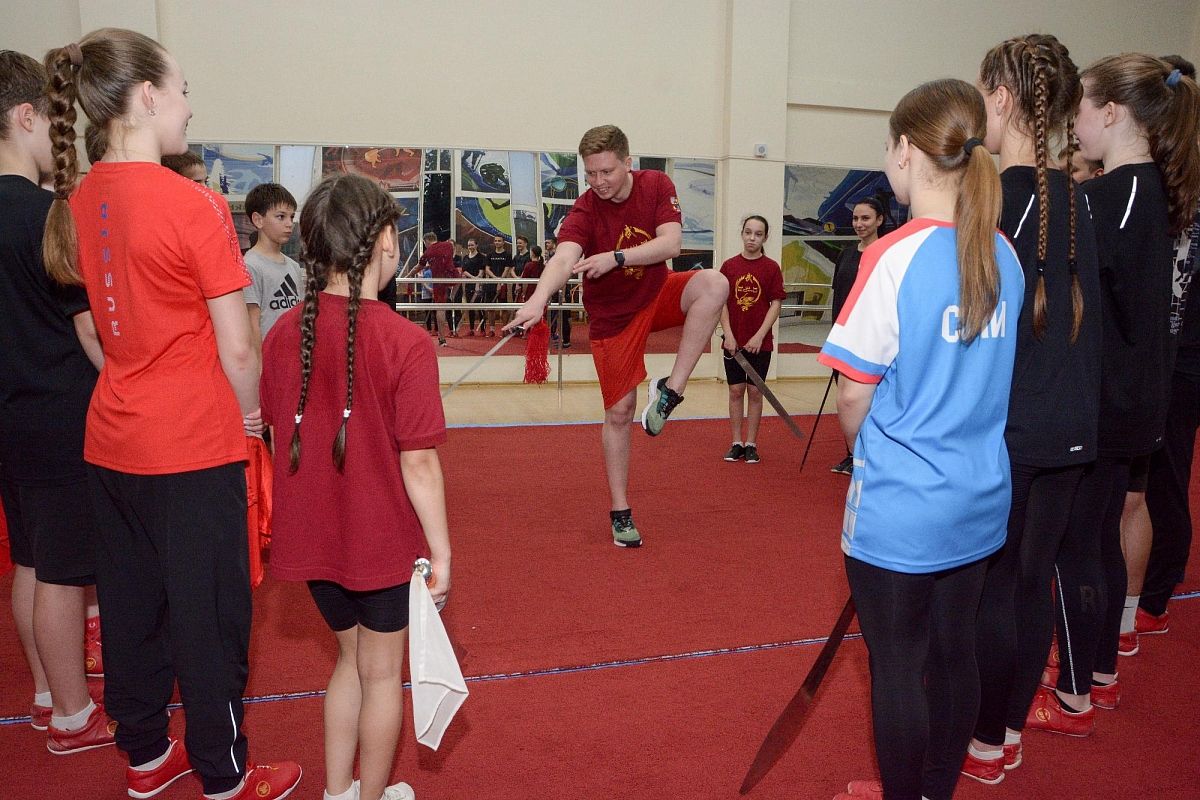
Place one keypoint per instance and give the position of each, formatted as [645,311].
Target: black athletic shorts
[734,374]
[379,610]
[1139,472]
[50,529]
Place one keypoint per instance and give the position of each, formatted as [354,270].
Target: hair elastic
[76,55]
[298,418]
[971,144]
[346,414]
[1073,267]
[1173,77]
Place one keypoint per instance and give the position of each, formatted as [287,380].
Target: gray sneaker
[623,531]
[661,402]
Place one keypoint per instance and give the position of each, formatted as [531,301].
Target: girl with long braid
[1030,89]
[1140,117]
[358,497]
[166,428]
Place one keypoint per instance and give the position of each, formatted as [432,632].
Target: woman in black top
[1141,118]
[867,219]
[473,263]
[1030,88]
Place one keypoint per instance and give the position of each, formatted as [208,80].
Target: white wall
[850,62]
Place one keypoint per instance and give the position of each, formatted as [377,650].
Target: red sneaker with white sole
[1149,624]
[1012,755]
[39,716]
[269,781]
[871,790]
[1106,695]
[1128,644]
[1047,714]
[145,783]
[98,731]
[984,770]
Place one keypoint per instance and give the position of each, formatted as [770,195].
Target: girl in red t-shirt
[361,382]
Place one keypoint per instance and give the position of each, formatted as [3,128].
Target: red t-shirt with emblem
[154,247]
[753,285]
[439,257]
[599,226]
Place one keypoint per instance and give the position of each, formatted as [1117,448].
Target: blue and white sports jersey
[931,487]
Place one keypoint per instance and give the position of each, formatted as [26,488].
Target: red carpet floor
[737,558]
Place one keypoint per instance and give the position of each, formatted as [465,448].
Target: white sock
[985,755]
[1127,616]
[155,764]
[43,699]
[76,720]
[1012,737]
[230,794]
[349,794]
[750,444]
[737,444]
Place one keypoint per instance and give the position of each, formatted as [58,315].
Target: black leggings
[1011,654]
[1091,577]
[920,634]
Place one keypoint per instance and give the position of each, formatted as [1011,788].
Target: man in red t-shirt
[624,229]
[439,257]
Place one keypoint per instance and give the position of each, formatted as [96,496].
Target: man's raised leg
[702,301]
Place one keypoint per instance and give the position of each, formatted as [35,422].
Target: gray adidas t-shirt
[276,287]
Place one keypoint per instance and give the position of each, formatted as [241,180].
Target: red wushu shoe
[1047,714]
[93,654]
[269,781]
[98,731]
[1106,695]
[984,770]
[1127,645]
[145,783]
[1148,624]
[39,717]
[1012,755]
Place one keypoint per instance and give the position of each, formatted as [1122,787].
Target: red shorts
[440,292]
[621,359]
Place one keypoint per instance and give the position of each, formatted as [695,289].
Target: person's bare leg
[615,438]
[702,301]
[753,413]
[343,700]
[737,400]
[443,328]
[1136,538]
[58,630]
[380,660]
[24,580]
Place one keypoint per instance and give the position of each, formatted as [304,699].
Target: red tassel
[537,353]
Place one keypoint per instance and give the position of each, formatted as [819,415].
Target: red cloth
[153,248]
[258,504]
[599,226]
[439,257]
[356,527]
[753,285]
[621,359]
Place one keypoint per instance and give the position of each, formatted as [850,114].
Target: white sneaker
[399,791]
[350,794]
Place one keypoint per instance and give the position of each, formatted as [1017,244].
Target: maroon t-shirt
[753,285]
[356,528]
[598,226]
[439,256]
[532,269]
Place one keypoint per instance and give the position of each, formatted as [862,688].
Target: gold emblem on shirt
[632,237]
[746,291]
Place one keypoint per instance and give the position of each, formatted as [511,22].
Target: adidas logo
[286,295]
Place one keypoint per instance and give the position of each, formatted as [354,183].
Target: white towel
[438,688]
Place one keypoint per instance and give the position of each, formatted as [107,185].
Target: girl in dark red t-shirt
[362,383]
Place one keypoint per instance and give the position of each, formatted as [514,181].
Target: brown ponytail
[1044,83]
[99,72]
[941,118]
[59,241]
[342,220]
[1166,105]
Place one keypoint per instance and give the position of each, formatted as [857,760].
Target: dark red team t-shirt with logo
[598,226]
[753,285]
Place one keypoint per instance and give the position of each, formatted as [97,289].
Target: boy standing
[627,225]
[277,281]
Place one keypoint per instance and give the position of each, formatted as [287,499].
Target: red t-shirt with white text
[154,247]
[754,283]
[599,226]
